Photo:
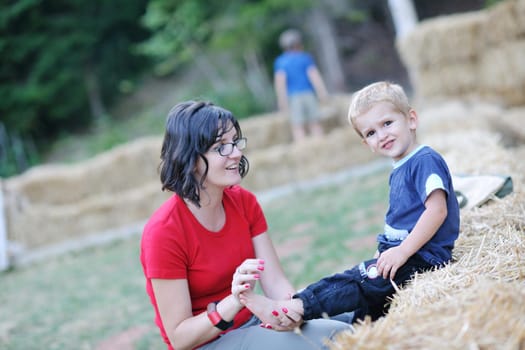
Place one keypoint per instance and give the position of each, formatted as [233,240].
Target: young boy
[298,85]
[422,222]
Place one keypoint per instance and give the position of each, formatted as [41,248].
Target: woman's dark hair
[192,127]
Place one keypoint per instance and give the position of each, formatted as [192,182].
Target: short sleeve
[163,254]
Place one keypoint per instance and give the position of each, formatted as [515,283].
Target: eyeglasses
[227,148]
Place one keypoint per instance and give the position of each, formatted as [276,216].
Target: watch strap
[216,319]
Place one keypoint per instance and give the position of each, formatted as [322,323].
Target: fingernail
[260,268]
[285,310]
[261,261]
[256,276]
[275,313]
[246,286]
[269,326]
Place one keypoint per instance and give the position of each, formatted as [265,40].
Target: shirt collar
[405,159]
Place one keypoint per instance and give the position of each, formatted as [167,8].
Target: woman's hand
[280,315]
[246,276]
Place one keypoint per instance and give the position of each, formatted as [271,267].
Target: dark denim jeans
[357,289]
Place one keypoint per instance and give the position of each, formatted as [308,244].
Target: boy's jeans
[357,289]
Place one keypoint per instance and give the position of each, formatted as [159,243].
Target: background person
[298,86]
[207,244]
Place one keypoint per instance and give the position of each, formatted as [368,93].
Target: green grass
[78,300]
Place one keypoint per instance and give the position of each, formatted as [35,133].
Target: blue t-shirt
[411,181]
[295,65]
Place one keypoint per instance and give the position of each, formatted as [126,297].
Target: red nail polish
[246,286]
[269,326]
[285,310]
[256,276]
[261,261]
[275,313]
[260,268]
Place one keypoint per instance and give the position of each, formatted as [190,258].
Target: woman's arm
[184,330]
[273,281]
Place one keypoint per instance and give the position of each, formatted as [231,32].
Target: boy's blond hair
[370,95]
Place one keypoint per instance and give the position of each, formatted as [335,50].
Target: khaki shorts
[304,108]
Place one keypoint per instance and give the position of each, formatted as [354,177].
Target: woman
[207,245]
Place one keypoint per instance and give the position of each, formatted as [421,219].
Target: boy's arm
[279,81]
[317,82]
[427,225]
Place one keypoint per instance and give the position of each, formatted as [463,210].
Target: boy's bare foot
[280,314]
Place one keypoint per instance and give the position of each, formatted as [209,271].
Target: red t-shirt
[176,246]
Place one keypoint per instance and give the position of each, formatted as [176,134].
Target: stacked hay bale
[54,203]
[473,54]
[115,192]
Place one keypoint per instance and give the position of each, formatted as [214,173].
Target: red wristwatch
[216,319]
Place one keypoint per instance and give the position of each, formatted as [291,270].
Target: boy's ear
[413,120]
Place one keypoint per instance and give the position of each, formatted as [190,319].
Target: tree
[218,37]
[52,50]
[61,62]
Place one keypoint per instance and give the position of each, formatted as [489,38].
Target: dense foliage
[61,64]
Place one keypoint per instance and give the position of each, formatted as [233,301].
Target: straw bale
[476,152]
[510,126]
[502,72]
[478,53]
[474,302]
[449,115]
[452,80]
[43,225]
[519,8]
[501,24]
[283,164]
[442,40]
[269,129]
[121,168]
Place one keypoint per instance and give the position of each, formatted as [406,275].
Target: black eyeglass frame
[239,143]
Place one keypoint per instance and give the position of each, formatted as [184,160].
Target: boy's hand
[390,261]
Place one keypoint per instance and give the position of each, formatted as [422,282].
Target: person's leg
[332,295]
[311,335]
[298,132]
[297,122]
[312,114]
[316,129]
[378,290]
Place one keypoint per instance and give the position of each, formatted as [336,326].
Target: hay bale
[501,24]
[42,225]
[450,115]
[451,80]
[510,126]
[474,302]
[119,169]
[442,40]
[284,164]
[478,53]
[502,72]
